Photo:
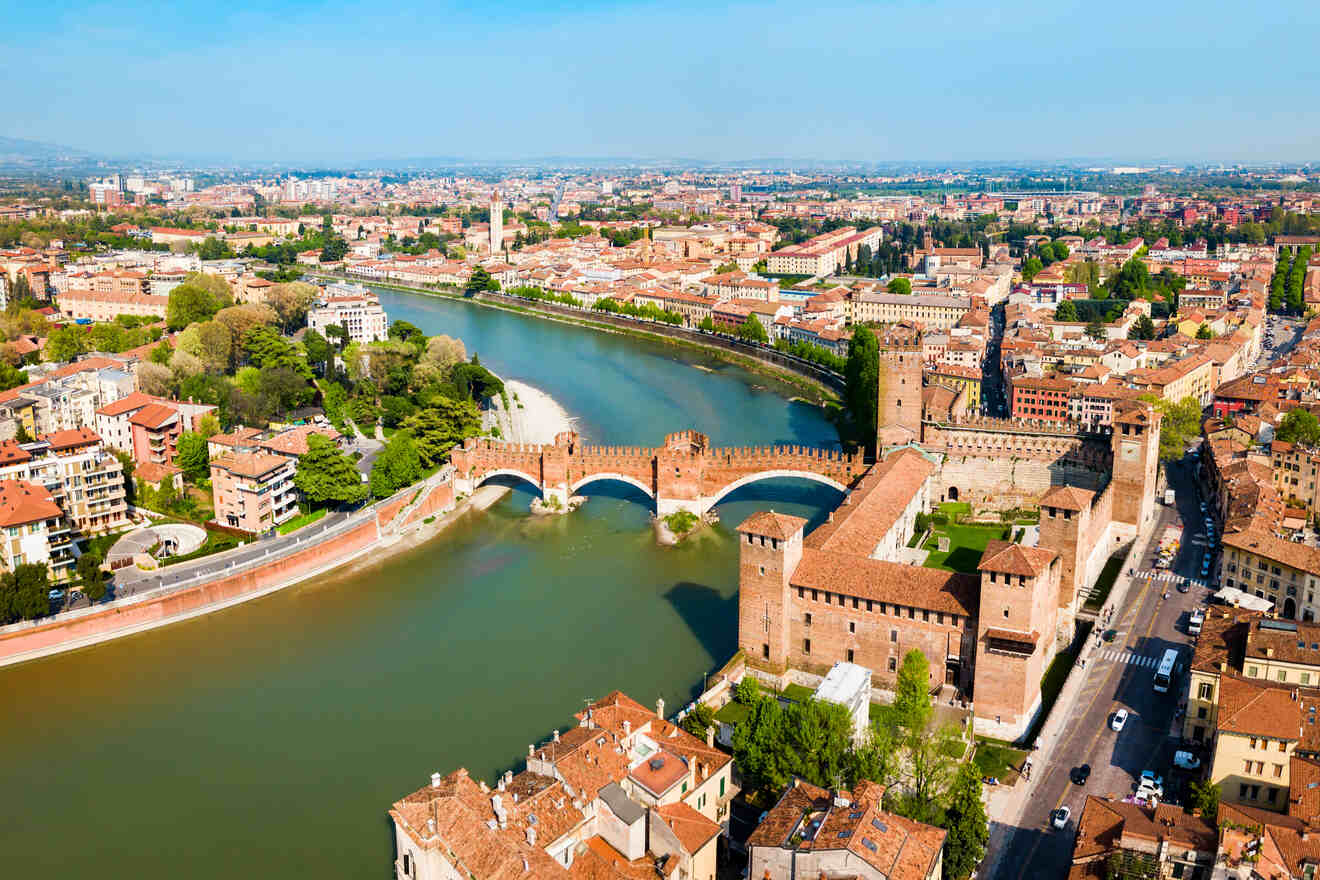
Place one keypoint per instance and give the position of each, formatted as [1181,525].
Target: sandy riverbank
[536,417]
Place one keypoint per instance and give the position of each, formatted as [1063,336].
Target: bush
[681,522]
[923,522]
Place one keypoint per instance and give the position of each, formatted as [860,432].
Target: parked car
[1186,761]
[1059,818]
[1120,718]
[1079,775]
[1184,585]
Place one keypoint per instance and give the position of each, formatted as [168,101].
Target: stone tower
[496,223]
[1136,462]
[770,547]
[1015,634]
[898,410]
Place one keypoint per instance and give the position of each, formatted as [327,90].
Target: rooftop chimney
[435,780]
[627,727]
[531,836]
[660,708]
[556,736]
[430,826]
[508,776]
[531,750]
[499,783]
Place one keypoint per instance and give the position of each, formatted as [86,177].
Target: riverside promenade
[178,593]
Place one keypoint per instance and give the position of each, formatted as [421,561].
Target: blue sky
[940,80]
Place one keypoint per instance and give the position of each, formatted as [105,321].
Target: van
[1194,625]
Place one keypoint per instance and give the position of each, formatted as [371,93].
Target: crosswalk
[1159,575]
[1129,657]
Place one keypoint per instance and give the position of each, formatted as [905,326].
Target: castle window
[765,652]
[893,664]
[762,571]
[893,635]
[925,616]
[814,596]
[806,618]
[868,605]
[850,655]
[774,543]
[852,626]
[802,593]
[856,602]
[1006,612]
[806,646]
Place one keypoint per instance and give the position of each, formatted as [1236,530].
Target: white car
[1120,718]
[1186,761]
[1059,818]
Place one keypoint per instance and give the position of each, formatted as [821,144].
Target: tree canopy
[326,475]
[862,384]
[1299,426]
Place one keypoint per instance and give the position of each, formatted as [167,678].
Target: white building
[496,224]
[352,307]
[849,685]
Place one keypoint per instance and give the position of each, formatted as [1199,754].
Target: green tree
[1096,329]
[192,456]
[1181,423]
[862,384]
[441,426]
[1066,311]
[696,721]
[161,354]
[11,377]
[900,285]
[965,820]
[1144,328]
[91,580]
[192,303]
[1204,332]
[326,475]
[707,324]
[25,592]
[398,465]
[752,330]
[65,344]
[480,280]
[912,706]
[1204,796]
[1299,426]
[1031,268]
[267,349]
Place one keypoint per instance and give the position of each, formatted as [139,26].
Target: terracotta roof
[154,415]
[22,502]
[874,505]
[692,829]
[1251,707]
[1003,556]
[73,438]
[1068,498]
[152,472]
[135,401]
[249,464]
[893,582]
[772,525]
[1262,543]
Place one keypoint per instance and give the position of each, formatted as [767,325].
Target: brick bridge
[684,474]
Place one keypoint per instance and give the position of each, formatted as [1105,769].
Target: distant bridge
[684,474]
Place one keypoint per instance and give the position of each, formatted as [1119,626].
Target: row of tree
[1287,287]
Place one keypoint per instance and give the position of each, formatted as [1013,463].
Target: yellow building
[1267,566]
[956,377]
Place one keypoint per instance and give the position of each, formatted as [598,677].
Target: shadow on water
[712,617]
[617,489]
[791,495]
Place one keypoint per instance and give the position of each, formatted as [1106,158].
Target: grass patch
[101,544]
[733,712]
[798,693]
[302,519]
[998,759]
[1105,583]
[216,542]
[952,509]
[1052,681]
[966,544]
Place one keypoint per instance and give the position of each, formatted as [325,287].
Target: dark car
[1184,585]
[1079,775]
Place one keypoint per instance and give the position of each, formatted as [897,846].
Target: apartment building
[813,832]
[624,795]
[1040,398]
[1285,572]
[147,426]
[35,529]
[85,479]
[935,311]
[353,308]
[823,254]
[253,491]
[1295,473]
[104,307]
[1194,377]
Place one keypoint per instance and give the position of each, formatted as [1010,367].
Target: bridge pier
[555,499]
[665,506]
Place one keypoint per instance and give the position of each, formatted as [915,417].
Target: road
[1286,332]
[1118,675]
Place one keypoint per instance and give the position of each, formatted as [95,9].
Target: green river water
[269,739]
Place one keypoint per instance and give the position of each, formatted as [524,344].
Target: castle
[843,592]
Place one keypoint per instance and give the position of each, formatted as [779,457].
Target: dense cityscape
[580,492]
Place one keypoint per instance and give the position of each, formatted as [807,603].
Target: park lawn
[798,693]
[302,519]
[732,712]
[966,544]
[998,759]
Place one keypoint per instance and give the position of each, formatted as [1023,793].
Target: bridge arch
[776,475]
[617,477]
[507,472]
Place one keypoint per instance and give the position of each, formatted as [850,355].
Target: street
[1119,674]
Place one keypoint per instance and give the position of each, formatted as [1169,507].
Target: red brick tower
[898,410]
[770,547]
[1136,462]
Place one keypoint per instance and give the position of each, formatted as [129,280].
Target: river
[270,739]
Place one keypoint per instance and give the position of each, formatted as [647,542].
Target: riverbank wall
[378,531]
[822,382]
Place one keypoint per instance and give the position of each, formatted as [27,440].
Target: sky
[901,81]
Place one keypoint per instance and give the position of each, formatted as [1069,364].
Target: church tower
[496,223]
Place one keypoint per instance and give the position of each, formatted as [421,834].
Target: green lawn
[1052,681]
[798,693]
[1105,582]
[216,542]
[302,519]
[966,544]
[998,759]
[732,712]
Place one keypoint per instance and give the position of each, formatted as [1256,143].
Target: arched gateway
[684,474]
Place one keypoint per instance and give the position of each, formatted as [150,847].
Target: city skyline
[937,82]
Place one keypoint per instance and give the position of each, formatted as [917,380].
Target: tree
[1299,426]
[65,344]
[480,280]
[291,301]
[912,706]
[1204,332]
[267,349]
[900,285]
[1144,328]
[441,426]
[1204,796]
[1181,422]
[155,379]
[24,592]
[282,389]
[442,354]
[215,344]
[242,318]
[752,330]
[862,383]
[318,350]
[1095,329]
[208,425]
[326,475]
[11,377]
[1131,281]
[1031,268]
[698,720]
[196,300]
[405,331]
[1066,311]
[707,324]
[192,456]
[965,820]
[398,465]
[91,579]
